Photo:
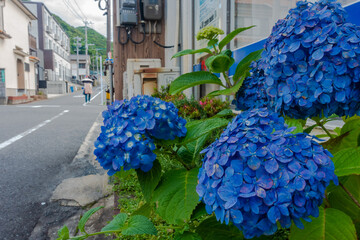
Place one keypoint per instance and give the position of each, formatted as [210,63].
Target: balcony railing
[32,42]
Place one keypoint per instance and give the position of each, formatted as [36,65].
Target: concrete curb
[76,195]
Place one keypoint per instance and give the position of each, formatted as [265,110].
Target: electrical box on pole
[127,13]
[152,9]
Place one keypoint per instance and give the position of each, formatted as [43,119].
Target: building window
[2,75]
[81,65]
[27,67]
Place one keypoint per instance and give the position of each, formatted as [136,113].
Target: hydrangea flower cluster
[126,139]
[209,33]
[311,63]
[258,173]
[252,94]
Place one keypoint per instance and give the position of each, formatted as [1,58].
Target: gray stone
[82,191]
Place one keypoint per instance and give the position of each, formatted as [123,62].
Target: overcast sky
[89,8]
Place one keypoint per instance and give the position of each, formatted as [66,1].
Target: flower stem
[319,123]
[350,195]
[227,79]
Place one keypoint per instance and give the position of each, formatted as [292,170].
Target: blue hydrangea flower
[130,127]
[258,173]
[253,93]
[311,63]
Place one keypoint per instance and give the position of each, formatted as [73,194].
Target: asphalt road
[38,141]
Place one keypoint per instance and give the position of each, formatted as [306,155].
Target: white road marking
[92,98]
[38,106]
[21,135]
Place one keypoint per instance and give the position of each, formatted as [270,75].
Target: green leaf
[85,218]
[116,224]
[309,129]
[188,236]
[231,36]
[212,42]
[347,162]
[144,210]
[211,229]
[199,211]
[191,51]
[353,127]
[347,119]
[219,63]
[331,224]
[224,113]
[176,197]
[197,135]
[63,233]
[139,224]
[199,128]
[333,144]
[228,91]
[149,180]
[192,79]
[340,200]
[298,123]
[244,65]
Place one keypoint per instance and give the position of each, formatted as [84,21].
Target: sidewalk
[76,195]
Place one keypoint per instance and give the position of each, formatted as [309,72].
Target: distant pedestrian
[87,91]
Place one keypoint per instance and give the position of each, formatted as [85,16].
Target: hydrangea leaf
[347,162]
[298,123]
[63,233]
[192,79]
[116,224]
[190,152]
[176,197]
[333,144]
[211,229]
[219,63]
[149,180]
[224,113]
[231,36]
[353,127]
[144,210]
[139,224]
[188,236]
[340,200]
[331,224]
[244,64]
[199,211]
[191,51]
[85,218]
[228,91]
[197,129]
[197,135]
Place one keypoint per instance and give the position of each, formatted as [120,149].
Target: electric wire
[85,17]
[72,10]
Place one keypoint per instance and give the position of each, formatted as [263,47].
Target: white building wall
[18,30]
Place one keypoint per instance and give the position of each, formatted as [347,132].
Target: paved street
[38,141]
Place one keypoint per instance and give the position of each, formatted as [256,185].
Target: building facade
[17,65]
[80,65]
[53,50]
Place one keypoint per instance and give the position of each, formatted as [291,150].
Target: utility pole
[107,8]
[86,22]
[77,55]
[108,31]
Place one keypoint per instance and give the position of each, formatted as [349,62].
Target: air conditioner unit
[48,29]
